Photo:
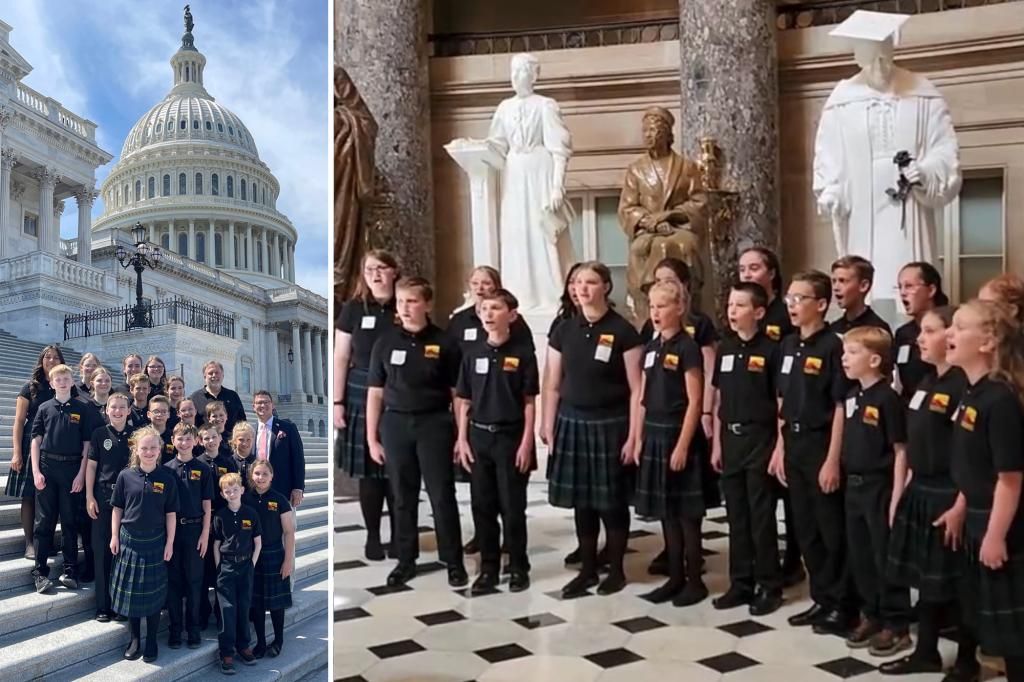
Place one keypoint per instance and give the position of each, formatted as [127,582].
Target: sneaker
[102,617]
[912,665]
[274,650]
[863,634]
[887,642]
[68,581]
[43,584]
[247,657]
[227,665]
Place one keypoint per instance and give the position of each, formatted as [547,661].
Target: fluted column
[85,197]
[297,360]
[7,161]
[307,361]
[48,179]
[324,350]
[318,367]
[266,252]
[272,360]
[211,244]
[58,211]
[291,261]
[192,239]
[249,252]
[151,226]
[229,248]
[275,260]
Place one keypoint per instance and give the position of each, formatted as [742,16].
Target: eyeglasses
[797,299]
[154,366]
[374,269]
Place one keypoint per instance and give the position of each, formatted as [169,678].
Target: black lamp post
[146,256]
[291,356]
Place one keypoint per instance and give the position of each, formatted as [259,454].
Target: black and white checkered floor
[427,632]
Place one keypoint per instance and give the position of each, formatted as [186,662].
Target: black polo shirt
[875,422]
[138,416]
[746,375]
[416,370]
[466,329]
[365,321]
[698,326]
[122,388]
[110,451]
[269,506]
[593,369]
[776,323]
[235,530]
[146,498]
[168,452]
[232,403]
[498,379]
[988,432]
[82,389]
[930,421]
[64,426]
[868,318]
[222,463]
[243,467]
[907,356]
[43,393]
[665,362]
[195,484]
[555,322]
[811,378]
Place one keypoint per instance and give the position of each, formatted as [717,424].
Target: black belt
[495,428]
[61,458]
[798,427]
[235,558]
[861,479]
[744,428]
[185,522]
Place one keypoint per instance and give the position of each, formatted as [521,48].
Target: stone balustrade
[52,110]
[39,263]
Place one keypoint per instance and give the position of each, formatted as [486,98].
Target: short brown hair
[215,405]
[758,296]
[860,265]
[60,369]
[418,284]
[505,296]
[183,429]
[819,281]
[208,427]
[120,396]
[158,400]
[877,341]
[139,378]
[230,479]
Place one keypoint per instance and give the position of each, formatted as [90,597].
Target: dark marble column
[729,79]
[383,45]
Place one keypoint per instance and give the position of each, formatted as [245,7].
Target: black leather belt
[861,479]
[185,522]
[236,558]
[495,428]
[53,457]
[798,427]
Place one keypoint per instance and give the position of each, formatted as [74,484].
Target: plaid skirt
[586,470]
[269,590]
[661,492]
[992,601]
[20,483]
[138,583]
[917,555]
[353,454]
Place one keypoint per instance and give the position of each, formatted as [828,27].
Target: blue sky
[108,60]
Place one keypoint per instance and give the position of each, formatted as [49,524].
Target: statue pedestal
[482,162]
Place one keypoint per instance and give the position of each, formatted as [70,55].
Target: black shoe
[485,583]
[659,564]
[612,584]
[694,593]
[765,602]
[227,665]
[259,651]
[102,617]
[43,584]
[793,576]
[247,657]
[471,547]
[735,596]
[573,557]
[134,651]
[807,617]
[194,642]
[457,576]
[174,642]
[274,650]
[373,550]
[519,581]
[149,656]
[833,622]
[118,618]
[957,674]
[68,580]
[912,664]
[665,593]
[400,575]
[87,575]
[578,586]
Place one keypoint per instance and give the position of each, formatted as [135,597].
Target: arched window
[165,241]
[201,247]
[199,183]
[151,187]
[159,125]
[231,187]
[181,183]
[231,131]
[182,125]
[183,243]
[167,186]
[138,190]
[220,127]
[209,126]
[124,195]
[242,185]
[218,249]
[214,185]
[186,74]
[254,194]
[195,124]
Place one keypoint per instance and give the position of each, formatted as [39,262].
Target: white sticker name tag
[368,322]
[727,363]
[916,401]
[482,365]
[903,355]
[649,359]
[787,364]
[851,407]
[603,353]
[469,334]
[398,357]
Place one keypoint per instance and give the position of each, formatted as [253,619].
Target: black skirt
[661,492]
[586,469]
[138,582]
[992,601]
[353,453]
[269,590]
[918,556]
[20,483]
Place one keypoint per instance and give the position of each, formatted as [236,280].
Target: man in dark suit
[279,441]
[214,389]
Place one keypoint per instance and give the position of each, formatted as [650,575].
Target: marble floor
[427,632]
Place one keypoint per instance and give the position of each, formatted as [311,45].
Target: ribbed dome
[188,117]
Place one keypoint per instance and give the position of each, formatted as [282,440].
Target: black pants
[820,519]
[53,501]
[185,581]
[750,506]
[103,560]
[419,446]
[234,594]
[867,536]
[497,486]
[83,527]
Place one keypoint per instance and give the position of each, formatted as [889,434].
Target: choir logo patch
[195,474]
[606,340]
[755,363]
[691,331]
[158,487]
[812,366]
[773,331]
[75,417]
[246,524]
[939,402]
[968,420]
[432,352]
[871,415]
[671,362]
[221,471]
[169,448]
[271,506]
[510,364]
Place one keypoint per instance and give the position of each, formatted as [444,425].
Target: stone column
[152,233]
[296,349]
[48,179]
[267,265]
[275,260]
[85,197]
[58,211]
[249,252]
[729,78]
[229,248]
[325,360]
[318,364]
[383,46]
[307,361]
[192,240]
[291,262]
[211,245]
[7,161]
[273,365]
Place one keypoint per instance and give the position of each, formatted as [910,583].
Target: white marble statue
[534,245]
[867,120]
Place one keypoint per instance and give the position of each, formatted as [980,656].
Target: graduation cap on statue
[864,26]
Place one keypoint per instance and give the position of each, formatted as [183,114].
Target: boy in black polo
[185,569]
[497,388]
[874,464]
[812,388]
[852,277]
[216,455]
[138,386]
[236,548]
[413,371]
[108,456]
[60,449]
[746,430]
[159,414]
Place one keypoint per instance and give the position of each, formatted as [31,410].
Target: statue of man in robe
[867,121]
[661,206]
[354,133]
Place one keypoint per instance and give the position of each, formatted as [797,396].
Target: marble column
[211,245]
[48,179]
[192,240]
[318,364]
[7,161]
[275,259]
[273,362]
[296,349]
[249,252]
[58,211]
[729,79]
[152,233]
[267,263]
[307,360]
[229,248]
[383,46]
[85,196]
[291,262]
[325,360]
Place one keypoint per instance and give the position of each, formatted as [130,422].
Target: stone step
[66,649]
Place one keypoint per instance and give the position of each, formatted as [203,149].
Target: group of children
[166,508]
[899,455]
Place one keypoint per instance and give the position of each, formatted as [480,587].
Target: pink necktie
[262,446]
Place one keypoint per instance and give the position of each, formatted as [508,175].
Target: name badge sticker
[368,322]
[482,365]
[903,355]
[787,364]
[851,407]
[469,334]
[108,444]
[727,363]
[915,402]
[398,357]
[603,353]
[649,359]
